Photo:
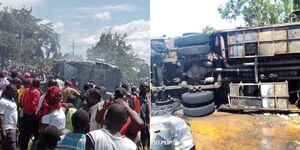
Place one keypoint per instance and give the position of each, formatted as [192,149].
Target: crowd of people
[65,117]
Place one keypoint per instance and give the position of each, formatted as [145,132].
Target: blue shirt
[72,141]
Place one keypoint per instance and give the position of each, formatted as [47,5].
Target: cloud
[79,16]
[196,16]
[137,31]
[137,35]
[21,3]
[90,40]
[132,27]
[119,7]
[58,27]
[44,21]
[76,23]
[142,49]
[103,12]
[103,16]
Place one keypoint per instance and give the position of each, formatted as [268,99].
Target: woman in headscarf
[51,112]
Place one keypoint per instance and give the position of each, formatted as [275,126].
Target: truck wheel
[199,111]
[190,33]
[191,39]
[193,50]
[198,97]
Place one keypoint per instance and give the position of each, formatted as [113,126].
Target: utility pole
[73,47]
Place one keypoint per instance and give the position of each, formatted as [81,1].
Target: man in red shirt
[29,103]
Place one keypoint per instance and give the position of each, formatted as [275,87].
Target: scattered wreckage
[253,68]
[99,72]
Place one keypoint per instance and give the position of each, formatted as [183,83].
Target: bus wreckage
[100,73]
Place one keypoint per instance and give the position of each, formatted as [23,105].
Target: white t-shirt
[8,108]
[93,110]
[102,139]
[60,83]
[56,118]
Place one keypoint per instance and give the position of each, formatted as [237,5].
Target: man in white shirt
[9,117]
[111,138]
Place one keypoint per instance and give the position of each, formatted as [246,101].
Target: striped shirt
[72,141]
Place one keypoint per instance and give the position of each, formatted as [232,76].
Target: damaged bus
[99,72]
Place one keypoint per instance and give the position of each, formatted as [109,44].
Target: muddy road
[228,131]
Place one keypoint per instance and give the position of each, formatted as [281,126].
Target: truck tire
[198,97]
[193,50]
[199,111]
[190,33]
[192,39]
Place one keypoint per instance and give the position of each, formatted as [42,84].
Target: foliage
[144,70]
[44,62]
[40,63]
[24,38]
[208,30]
[8,48]
[259,12]
[72,56]
[112,48]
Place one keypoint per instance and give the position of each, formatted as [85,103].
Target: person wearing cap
[27,75]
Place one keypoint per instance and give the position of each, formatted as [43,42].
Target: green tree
[208,30]
[112,48]
[30,40]
[144,70]
[8,47]
[259,12]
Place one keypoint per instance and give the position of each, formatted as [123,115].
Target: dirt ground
[229,131]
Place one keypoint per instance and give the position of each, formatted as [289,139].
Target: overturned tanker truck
[255,68]
[101,73]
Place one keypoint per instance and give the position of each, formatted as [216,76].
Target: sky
[82,21]
[174,17]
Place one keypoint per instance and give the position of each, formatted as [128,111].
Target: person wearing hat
[27,75]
